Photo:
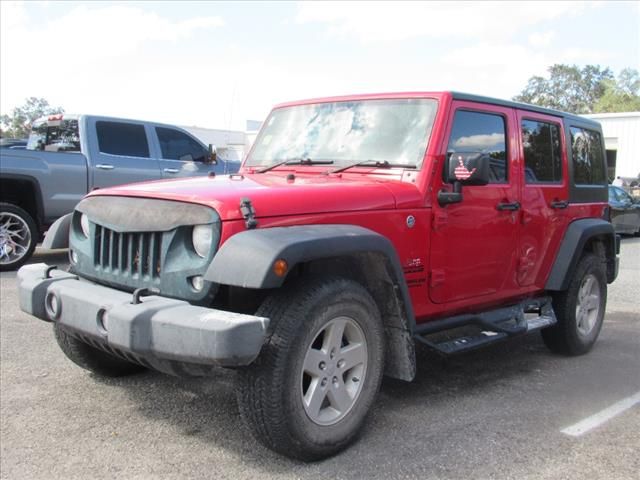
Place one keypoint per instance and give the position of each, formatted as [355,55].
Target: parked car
[625,211]
[357,227]
[69,155]
[13,143]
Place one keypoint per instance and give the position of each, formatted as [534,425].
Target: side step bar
[495,325]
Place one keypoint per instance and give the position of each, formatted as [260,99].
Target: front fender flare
[246,259]
[58,234]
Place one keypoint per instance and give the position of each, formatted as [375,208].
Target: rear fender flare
[575,239]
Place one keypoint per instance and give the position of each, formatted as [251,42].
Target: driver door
[474,242]
[181,155]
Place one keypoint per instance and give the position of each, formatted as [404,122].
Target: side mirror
[463,169]
[468,168]
[212,157]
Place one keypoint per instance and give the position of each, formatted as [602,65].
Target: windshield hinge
[248,213]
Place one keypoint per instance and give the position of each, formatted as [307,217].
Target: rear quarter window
[587,157]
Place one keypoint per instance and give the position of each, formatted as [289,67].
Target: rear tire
[309,391]
[92,359]
[18,236]
[580,309]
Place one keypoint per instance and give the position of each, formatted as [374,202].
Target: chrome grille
[132,254]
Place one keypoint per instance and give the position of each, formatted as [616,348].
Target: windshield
[395,131]
[55,136]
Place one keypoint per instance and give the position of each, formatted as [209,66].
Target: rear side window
[542,152]
[475,132]
[176,145]
[587,155]
[125,139]
[59,135]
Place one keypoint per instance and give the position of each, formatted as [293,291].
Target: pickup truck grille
[132,254]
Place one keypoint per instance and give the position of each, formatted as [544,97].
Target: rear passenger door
[119,153]
[545,194]
[181,155]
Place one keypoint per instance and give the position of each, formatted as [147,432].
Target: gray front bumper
[167,334]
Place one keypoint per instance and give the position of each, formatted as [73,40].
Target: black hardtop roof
[523,106]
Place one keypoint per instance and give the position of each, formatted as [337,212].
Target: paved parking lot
[495,413]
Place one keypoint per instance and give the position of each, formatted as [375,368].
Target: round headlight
[202,238]
[84,224]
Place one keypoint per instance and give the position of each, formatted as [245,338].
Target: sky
[218,64]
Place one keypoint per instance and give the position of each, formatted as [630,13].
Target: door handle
[508,206]
[105,166]
[171,170]
[559,204]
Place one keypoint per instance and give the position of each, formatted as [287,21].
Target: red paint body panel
[457,258]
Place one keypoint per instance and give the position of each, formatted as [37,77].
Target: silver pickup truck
[69,155]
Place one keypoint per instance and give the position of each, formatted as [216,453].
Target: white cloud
[91,52]
[541,39]
[484,141]
[401,20]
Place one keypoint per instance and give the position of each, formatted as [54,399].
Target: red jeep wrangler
[357,226]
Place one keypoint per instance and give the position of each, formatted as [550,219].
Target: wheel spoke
[19,250]
[591,302]
[21,234]
[580,320]
[314,397]
[312,362]
[353,355]
[339,397]
[333,337]
[587,287]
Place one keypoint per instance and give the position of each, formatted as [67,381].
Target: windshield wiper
[295,161]
[373,163]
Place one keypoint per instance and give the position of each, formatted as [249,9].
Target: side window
[475,132]
[176,145]
[55,136]
[125,139]
[588,160]
[542,152]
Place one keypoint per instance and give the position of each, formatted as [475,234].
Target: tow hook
[143,292]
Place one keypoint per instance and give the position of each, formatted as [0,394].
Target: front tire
[18,236]
[580,309]
[309,391]
[92,359]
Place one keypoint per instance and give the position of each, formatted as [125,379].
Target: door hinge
[440,220]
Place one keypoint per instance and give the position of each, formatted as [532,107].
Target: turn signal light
[280,267]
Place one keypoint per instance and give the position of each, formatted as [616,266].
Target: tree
[621,96]
[18,124]
[568,88]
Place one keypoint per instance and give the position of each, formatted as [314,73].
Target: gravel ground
[494,413]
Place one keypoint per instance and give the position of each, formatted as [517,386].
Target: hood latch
[248,213]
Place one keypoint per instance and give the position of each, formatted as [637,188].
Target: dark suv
[357,227]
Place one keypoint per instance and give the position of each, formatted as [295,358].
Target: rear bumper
[166,334]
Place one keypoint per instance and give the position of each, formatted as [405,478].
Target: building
[230,144]
[622,142]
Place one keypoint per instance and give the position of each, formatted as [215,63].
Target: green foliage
[591,89]
[621,96]
[18,124]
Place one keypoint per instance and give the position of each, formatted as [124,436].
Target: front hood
[273,195]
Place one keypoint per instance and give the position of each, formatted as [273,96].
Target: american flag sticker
[461,172]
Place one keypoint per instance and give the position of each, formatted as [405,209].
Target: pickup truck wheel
[580,309]
[309,391]
[92,359]
[18,236]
